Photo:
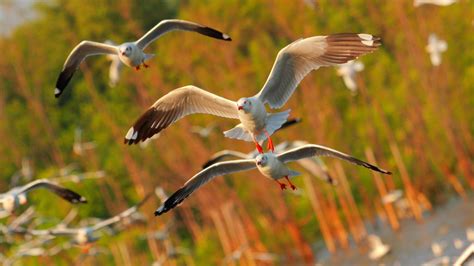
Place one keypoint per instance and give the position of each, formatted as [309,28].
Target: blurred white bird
[417,3]
[203,132]
[116,66]
[348,73]
[435,47]
[458,243]
[470,234]
[437,248]
[377,248]
[79,147]
[392,196]
[15,197]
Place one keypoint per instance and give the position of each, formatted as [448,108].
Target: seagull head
[22,198]
[125,50]
[262,160]
[244,104]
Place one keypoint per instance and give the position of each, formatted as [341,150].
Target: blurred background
[406,115]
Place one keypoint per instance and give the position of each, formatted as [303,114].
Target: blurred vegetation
[425,111]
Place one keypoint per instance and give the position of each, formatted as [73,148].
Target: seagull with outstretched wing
[269,164]
[129,53]
[292,64]
[15,197]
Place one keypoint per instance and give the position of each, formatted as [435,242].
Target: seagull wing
[311,150]
[203,177]
[176,24]
[299,58]
[175,105]
[78,54]
[223,155]
[63,192]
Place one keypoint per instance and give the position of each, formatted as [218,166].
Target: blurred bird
[79,147]
[130,53]
[435,47]
[116,66]
[270,165]
[470,234]
[392,196]
[292,64]
[458,243]
[417,3]
[348,73]
[203,132]
[84,235]
[314,165]
[25,173]
[17,196]
[378,249]
[437,248]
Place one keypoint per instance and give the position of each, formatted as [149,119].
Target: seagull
[203,132]
[115,66]
[79,147]
[17,196]
[348,73]
[470,234]
[437,248]
[130,53]
[392,196]
[270,165]
[292,64]
[84,235]
[435,47]
[417,3]
[314,165]
[378,249]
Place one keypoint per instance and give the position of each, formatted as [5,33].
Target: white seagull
[15,197]
[348,73]
[79,147]
[130,53]
[292,64]
[84,235]
[116,66]
[270,165]
[417,3]
[314,165]
[378,249]
[435,47]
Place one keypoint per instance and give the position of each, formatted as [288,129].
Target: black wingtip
[214,34]
[388,173]
[63,80]
[208,163]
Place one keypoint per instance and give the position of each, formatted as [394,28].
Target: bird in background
[15,197]
[79,147]
[348,73]
[268,164]
[435,48]
[130,53]
[313,165]
[115,68]
[418,3]
[292,64]
[377,248]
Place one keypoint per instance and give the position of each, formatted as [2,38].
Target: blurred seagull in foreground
[314,165]
[269,164]
[435,47]
[292,64]
[417,3]
[348,73]
[17,196]
[84,235]
[130,53]
[116,66]
[378,249]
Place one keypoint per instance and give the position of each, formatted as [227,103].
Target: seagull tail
[274,122]
[238,132]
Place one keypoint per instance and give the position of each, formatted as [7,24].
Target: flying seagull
[435,47]
[116,66]
[17,196]
[348,73]
[292,64]
[377,248]
[417,3]
[130,53]
[84,235]
[269,164]
[314,165]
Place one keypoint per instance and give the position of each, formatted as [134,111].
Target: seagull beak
[240,107]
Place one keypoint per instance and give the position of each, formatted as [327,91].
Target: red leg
[257,145]
[282,185]
[137,68]
[291,184]
[145,65]
[270,142]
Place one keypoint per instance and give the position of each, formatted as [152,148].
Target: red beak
[240,107]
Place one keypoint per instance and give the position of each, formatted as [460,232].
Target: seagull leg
[270,142]
[137,68]
[291,184]
[146,65]
[257,145]
[282,185]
